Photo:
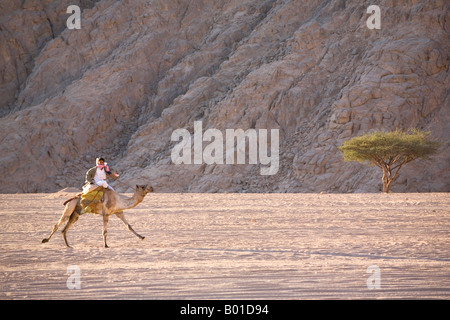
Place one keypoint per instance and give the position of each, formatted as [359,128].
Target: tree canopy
[390,150]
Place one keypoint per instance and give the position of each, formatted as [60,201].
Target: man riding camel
[96,176]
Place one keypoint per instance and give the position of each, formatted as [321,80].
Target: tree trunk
[387,181]
[387,186]
[388,178]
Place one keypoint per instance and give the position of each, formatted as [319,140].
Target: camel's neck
[128,203]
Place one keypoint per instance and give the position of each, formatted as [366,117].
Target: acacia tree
[390,151]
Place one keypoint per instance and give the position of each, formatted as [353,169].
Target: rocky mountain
[136,71]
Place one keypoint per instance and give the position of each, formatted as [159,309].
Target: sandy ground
[232,246]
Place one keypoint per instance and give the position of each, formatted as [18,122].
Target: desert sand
[232,246]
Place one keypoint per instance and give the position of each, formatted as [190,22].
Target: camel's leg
[69,208]
[105,231]
[73,218]
[122,217]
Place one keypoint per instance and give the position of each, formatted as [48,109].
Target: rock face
[138,70]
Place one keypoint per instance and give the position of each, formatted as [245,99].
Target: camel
[112,203]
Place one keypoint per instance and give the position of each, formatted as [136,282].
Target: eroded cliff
[138,70]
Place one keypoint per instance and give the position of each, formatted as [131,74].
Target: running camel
[112,203]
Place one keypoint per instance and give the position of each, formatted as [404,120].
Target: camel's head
[144,189]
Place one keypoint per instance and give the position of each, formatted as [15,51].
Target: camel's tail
[76,197]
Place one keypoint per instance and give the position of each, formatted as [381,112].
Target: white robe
[100,178]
